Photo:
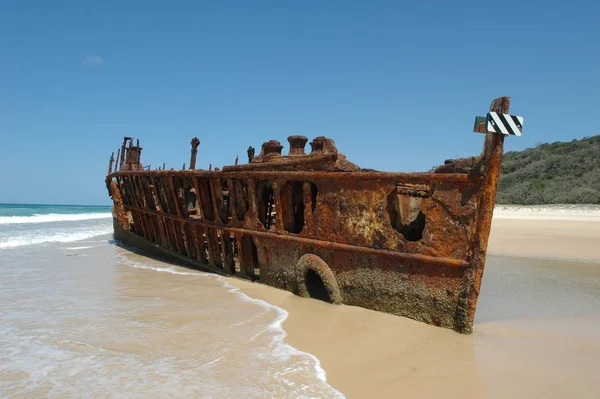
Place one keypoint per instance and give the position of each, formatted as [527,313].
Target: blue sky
[396,84]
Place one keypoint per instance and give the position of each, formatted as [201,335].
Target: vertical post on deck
[110,163]
[195,143]
[118,156]
[122,159]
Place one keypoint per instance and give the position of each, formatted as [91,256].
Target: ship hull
[343,251]
[409,244]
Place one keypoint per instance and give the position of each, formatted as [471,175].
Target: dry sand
[547,239]
[537,333]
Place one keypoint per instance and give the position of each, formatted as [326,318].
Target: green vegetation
[557,173]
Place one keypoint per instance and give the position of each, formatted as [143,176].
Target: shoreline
[278,324]
[341,338]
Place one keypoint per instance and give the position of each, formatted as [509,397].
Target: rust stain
[410,244]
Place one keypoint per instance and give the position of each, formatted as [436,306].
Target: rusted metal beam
[129,199]
[174,245]
[117,164]
[247,265]
[122,159]
[110,163]
[180,231]
[163,231]
[205,198]
[137,184]
[196,241]
[227,250]
[198,196]
[163,194]
[179,192]
[149,226]
[214,249]
[217,195]
[202,243]
[149,219]
[137,223]
[171,192]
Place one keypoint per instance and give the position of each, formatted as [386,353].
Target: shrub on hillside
[557,173]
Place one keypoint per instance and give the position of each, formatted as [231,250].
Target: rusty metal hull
[410,244]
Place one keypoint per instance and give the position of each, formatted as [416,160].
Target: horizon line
[24,203]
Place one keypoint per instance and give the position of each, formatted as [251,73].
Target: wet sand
[537,330]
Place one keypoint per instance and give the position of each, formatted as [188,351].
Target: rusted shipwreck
[410,244]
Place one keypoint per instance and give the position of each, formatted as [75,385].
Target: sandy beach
[83,314]
[547,232]
[537,330]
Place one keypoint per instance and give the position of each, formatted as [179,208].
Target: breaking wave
[37,237]
[53,217]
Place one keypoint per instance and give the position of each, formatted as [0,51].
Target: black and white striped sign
[504,123]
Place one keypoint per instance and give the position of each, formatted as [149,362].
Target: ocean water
[23,224]
[83,317]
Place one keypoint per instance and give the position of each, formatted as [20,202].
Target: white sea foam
[63,235]
[140,265]
[79,248]
[276,326]
[53,217]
